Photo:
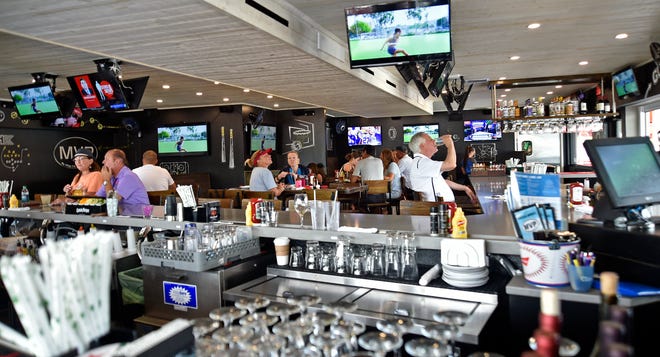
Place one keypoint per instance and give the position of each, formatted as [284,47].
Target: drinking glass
[282,310]
[226,314]
[393,264]
[252,304]
[454,319]
[380,342]
[409,268]
[423,347]
[297,258]
[231,335]
[377,259]
[567,347]
[312,255]
[304,301]
[327,342]
[301,205]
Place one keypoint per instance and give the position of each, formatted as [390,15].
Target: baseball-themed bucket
[544,262]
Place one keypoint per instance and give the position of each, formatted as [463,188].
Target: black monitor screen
[628,168]
[34,100]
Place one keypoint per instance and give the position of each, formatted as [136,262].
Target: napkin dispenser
[208,212]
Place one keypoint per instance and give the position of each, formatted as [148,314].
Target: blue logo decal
[177,294]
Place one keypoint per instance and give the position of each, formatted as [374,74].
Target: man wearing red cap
[261,178]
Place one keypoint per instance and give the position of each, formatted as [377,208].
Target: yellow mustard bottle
[459,224]
[248,215]
[13,202]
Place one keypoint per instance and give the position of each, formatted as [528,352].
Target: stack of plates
[464,277]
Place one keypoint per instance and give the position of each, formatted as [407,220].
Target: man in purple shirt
[119,178]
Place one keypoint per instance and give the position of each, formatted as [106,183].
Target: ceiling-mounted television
[399,32]
[134,90]
[263,137]
[96,91]
[183,139]
[364,135]
[35,100]
[412,129]
[481,130]
[625,83]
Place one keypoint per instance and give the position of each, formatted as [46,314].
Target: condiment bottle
[459,224]
[576,192]
[13,202]
[434,220]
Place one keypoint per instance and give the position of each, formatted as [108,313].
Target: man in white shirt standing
[426,174]
[369,167]
[154,178]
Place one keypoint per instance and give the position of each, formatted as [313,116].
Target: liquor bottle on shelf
[583,103]
[607,106]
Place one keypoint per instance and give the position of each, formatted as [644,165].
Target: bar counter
[494,225]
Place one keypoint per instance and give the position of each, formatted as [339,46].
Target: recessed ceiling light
[508,90]
[269,96]
[549,92]
[166,86]
[503,95]
[225,99]
[216,82]
[159,100]
[199,93]
[558,86]
[583,63]
[533,26]
[119,76]
[621,36]
[514,58]
[502,78]
[276,105]
[246,90]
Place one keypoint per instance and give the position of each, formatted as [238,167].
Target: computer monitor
[628,169]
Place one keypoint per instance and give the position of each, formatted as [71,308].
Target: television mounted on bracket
[98,91]
[399,32]
[35,101]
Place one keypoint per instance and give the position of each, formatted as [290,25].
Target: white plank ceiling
[190,44]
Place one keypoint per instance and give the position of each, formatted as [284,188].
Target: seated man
[119,178]
[261,178]
[154,178]
[292,170]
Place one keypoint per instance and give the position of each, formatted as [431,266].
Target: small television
[34,100]
[481,130]
[183,139]
[625,83]
[263,137]
[628,169]
[364,135]
[410,130]
[400,32]
[96,91]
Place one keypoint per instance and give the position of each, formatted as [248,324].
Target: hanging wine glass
[567,347]
[423,347]
[454,319]
[380,342]
[301,205]
[226,314]
[231,335]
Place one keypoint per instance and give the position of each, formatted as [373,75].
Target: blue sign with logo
[181,295]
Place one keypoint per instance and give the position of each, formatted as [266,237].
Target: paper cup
[282,250]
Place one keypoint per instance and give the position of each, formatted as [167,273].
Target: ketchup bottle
[576,190]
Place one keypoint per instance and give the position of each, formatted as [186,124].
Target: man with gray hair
[426,174]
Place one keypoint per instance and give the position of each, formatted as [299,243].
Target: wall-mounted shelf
[572,83]
[601,116]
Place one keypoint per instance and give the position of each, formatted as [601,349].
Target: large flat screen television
[410,130]
[134,90]
[395,33]
[628,169]
[183,139]
[263,137]
[364,135]
[481,130]
[96,91]
[625,83]
[34,100]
